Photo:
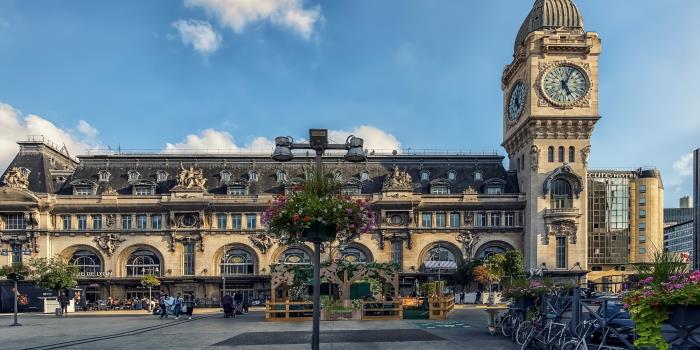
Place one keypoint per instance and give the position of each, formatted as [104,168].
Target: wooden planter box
[680,315]
[328,315]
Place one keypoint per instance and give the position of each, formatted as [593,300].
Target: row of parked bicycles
[568,323]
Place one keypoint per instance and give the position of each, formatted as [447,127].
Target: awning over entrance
[443,265]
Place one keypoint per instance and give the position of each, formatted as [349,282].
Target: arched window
[572,154]
[354,255]
[143,262]
[295,256]
[87,262]
[561,154]
[491,251]
[562,195]
[439,258]
[237,261]
[550,154]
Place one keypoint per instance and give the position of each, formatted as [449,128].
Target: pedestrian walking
[177,306]
[189,305]
[161,304]
[461,297]
[63,302]
[477,300]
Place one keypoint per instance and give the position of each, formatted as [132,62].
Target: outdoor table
[492,312]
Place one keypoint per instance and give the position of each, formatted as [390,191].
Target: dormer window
[350,191]
[83,187]
[143,191]
[452,175]
[439,190]
[104,175]
[478,176]
[338,176]
[225,176]
[253,175]
[82,191]
[494,190]
[236,191]
[133,175]
[281,176]
[364,175]
[424,175]
[161,176]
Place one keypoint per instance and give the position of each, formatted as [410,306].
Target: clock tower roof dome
[550,14]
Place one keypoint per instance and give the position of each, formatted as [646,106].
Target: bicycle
[546,332]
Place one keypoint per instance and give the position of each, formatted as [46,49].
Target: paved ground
[465,329]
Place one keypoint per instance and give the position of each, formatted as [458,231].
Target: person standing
[63,302]
[190,304]
[161,305]
[461,297]
[477,299]
[177,306]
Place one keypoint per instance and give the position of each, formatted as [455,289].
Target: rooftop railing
[268,152]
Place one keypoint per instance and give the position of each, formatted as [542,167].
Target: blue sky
[148,74]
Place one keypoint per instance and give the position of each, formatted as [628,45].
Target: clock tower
[550,99]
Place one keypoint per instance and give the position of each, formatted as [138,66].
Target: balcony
[562,213]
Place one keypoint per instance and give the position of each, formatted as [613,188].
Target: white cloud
[238,14]
[86,129]
[14,126]
[684,165]
[199,34]
[222,141]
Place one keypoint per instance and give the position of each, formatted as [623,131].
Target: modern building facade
[685,202]
[696,209]
[625,221]
[673,216]
[678,238]
[194,219]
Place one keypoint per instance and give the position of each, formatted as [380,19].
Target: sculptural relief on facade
[261,241]
[192,178]
[534,158]
[585,152]
[17,178]
[561,228]
[469,241]
[109,242]
[398,180]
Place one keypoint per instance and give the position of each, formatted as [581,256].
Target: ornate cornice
[577,128]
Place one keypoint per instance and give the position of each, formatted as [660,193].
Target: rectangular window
[188,260]
[236,221]
[397,252]
[236,191]
[440,219]
[494,190]
[510,219]
[156,221]
[427,219]
[642,239]
[141,221]
[66,222]
[142,191]
[642,226]
[16,254]
[642,201]
[97,222]
[82,222]
[642,188]
[126,222]
[16,222]
[480,220]
[350,191]
[439,190]
[83,191]
[561,252]
[495,219]
[221,221]
[251,220]
[454,220]
[642,250]
[642,213]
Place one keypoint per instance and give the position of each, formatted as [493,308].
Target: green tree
[150,281]
[465,273]
[54,273]
[513,264]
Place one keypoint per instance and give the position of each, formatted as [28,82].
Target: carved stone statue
[17,177]
[261,241]
[585,152]
[469,240]
[191,178]
[398,181]
[109,191]
[109,242]
[534,158]
[110,220]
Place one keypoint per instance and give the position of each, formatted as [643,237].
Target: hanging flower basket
[316,211]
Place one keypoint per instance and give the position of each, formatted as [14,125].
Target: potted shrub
[667,293]
[315,210]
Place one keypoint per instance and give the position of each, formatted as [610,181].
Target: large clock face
[565,84]
[516,102]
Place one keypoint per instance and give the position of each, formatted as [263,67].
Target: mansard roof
[148,165]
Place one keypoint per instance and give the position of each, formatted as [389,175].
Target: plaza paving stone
[465,329]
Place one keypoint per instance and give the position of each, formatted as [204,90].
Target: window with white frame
[161,176]
[126,221]
[133,175]
[253,175]
[82,190]
[251,221]
[455,219]
[82,222]
[509,219]
[66,222]
[281,176]
[495,219]
[236,191]
[452,175]
[440,219]
[97,222]
[439,190]
[104,175]
[424,175]
[141,221]
[494,190]
[364,175]
[478,176]
[427,219]
[350,190]
[225,176]
[143,190]
[480,220]
[16,222]
[221,221]
[561,252]
[156,221]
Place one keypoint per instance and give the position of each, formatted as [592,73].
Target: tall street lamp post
[318,141]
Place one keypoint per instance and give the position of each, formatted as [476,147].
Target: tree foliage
[150,281]
[54,273]
[15,272]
